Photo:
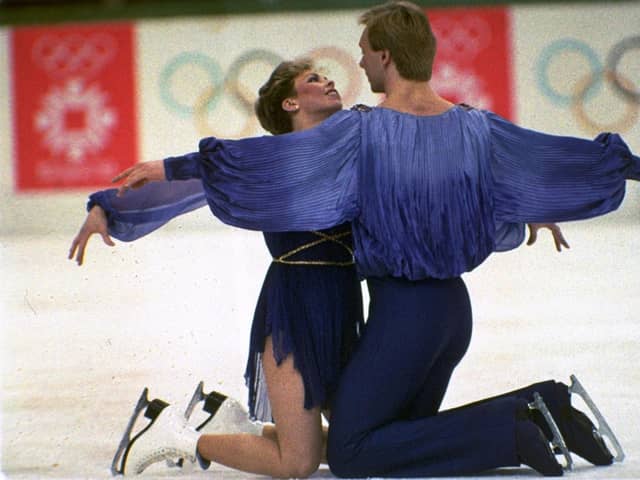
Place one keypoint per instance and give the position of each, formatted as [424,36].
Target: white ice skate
[225,414]
[557,442]
[603,429]
[220,414]
[165,437]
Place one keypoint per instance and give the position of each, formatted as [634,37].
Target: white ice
[80,343]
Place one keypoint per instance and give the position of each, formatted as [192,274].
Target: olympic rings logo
[231,87]
[589,85]
[462,39]
[83,55]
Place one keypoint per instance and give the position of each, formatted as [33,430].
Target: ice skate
[225,415]
[222,415]
[533,450]
[600,455]
[165,437]
[557,440]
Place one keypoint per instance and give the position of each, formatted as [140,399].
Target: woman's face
[315,94]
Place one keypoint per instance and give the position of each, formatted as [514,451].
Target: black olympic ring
[242,97]
[233,86]
[613,60]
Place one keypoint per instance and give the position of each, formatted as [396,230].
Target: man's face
[371,63]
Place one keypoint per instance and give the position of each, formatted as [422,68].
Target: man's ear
[290,105]
[385,57]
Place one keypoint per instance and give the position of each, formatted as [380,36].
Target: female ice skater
[302,293]
[426,185]
[430,188]
[309,312]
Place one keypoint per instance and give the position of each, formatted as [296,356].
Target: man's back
[425,194]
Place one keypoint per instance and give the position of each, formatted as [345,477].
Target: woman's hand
[96,222]
[558,238]
[140,174]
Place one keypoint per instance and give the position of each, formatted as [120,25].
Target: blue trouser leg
[416,334]
[555,395]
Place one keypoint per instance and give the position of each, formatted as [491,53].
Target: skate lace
[161,454]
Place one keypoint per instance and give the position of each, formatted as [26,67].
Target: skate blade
[197,397]
[604,430]
[143,401]
[558,441]
[151,410]
[212,402]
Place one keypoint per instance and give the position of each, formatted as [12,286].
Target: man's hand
[96,222]
[558,238]
[139,175]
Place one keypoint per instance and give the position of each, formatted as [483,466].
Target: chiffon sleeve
[546,178]
[141,211]
[508,236]
[292,182]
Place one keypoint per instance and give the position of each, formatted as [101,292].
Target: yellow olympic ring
[621,125]
[202,123]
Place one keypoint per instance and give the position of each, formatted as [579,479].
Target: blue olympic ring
[544,61]
[210,66]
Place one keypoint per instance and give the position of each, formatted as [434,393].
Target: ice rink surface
[79,344]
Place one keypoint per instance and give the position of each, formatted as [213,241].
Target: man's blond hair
[402,28]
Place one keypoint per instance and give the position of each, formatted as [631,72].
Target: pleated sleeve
[292,182]
[546,178]
[141,211]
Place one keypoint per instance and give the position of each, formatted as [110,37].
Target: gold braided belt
[323,237]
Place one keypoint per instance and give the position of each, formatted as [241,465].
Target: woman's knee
[300,467]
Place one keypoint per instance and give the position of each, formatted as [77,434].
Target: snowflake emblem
[75,120]
[459,85]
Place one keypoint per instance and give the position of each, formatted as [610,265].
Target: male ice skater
[431,188]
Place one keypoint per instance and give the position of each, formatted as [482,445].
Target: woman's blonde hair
[402,28]
[281,85]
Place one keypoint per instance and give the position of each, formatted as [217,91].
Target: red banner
[74,94]
[473,61]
